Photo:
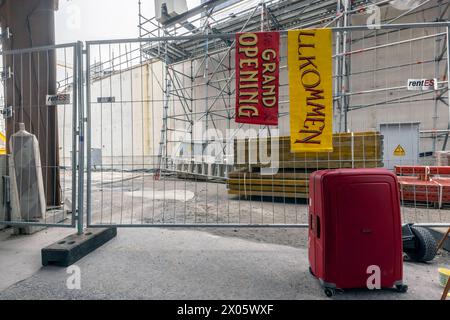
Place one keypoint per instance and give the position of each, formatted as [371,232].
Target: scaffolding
[212,60]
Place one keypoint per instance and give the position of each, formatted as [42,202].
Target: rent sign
[57,99]
[310,90]
[257,77]
[422,84]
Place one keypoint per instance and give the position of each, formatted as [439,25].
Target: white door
[401,144]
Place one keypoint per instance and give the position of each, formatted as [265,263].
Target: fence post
[448,76]
[74,156]
[80,226]
[88,135]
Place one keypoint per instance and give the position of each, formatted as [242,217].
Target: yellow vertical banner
[310,90]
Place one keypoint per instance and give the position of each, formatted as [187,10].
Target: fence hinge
[6,34]
[7,112]
[6,73]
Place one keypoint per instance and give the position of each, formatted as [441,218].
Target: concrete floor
[187,264]
[20,256]
[214,263]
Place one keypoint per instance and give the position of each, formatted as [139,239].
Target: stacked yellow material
[351,150]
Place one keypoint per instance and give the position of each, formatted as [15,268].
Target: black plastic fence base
[74,247]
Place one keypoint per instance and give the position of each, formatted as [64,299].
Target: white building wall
[128,130]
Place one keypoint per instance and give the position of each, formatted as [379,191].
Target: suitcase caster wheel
[311,272]
[402,288]
[329,292]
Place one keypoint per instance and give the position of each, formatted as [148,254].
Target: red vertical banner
[257,77]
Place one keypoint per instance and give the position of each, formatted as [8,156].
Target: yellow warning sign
[399,151]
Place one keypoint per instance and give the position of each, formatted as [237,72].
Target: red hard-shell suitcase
[355,223]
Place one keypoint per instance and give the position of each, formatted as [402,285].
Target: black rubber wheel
[402,288]
[329,292]
[425,245]
[312,273]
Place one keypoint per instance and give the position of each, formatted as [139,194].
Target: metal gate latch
[7,112]
[6,73]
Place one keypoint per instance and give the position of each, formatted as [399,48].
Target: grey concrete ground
[215,263]
[20,256]
[189,264]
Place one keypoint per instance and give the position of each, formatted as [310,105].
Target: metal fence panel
[40,90]
[161,136]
